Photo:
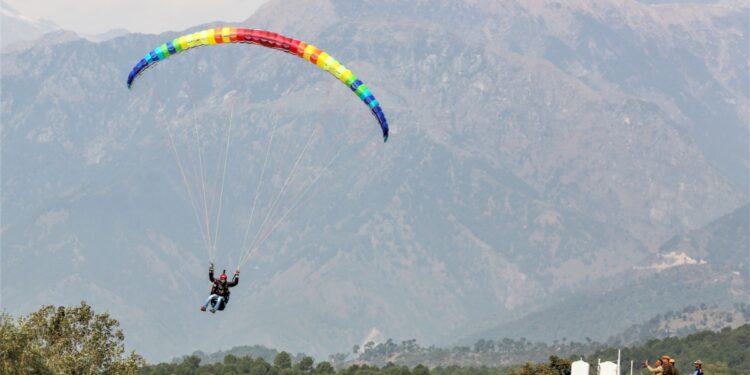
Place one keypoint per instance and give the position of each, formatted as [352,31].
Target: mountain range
[545,158]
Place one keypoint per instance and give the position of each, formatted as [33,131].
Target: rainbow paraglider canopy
[270,40]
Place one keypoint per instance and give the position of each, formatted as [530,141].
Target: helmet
[223,276]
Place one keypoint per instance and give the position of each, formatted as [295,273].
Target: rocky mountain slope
[713,272]
[689,320]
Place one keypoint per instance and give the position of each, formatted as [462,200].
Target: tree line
[76,341]
[283,365]
[484,352]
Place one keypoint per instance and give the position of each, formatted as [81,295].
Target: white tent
[579,367]
[608,368]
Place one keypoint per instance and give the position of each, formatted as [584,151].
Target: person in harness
[219,290]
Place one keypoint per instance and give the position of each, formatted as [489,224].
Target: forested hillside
[723,352]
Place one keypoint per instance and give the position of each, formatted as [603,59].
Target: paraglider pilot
[219,290]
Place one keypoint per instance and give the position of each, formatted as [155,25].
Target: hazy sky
[151,16]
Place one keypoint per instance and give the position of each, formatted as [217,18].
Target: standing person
[674,367]
[666,366]
[657,369]
[698,367]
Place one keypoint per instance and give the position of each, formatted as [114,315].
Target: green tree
[189,365]
[305,365]
[559,366]
[420,370]
[65,340]
[260,367]
[717,368]
[15,354]
[351,370]
[556,366]
[230,359]
[392,369]
[282,361]
[528,369]
[324,368]
[245,364]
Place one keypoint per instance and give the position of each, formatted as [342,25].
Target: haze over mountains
[543,154]
[20,31]
[16,27]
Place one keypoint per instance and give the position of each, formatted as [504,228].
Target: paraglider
[270,40]
[219,296]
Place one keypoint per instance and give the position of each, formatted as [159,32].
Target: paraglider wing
[270,40]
